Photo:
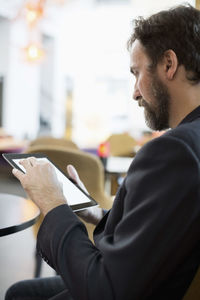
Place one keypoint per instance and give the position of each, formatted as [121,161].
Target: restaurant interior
[66,91]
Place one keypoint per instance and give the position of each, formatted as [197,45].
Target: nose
[136,93]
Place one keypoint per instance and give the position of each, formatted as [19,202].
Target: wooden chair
[51,141]
[91,172]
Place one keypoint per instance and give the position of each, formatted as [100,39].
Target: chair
[90,170]
[121,145]
[51,141]
[193,292]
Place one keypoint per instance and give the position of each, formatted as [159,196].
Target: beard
[157,116]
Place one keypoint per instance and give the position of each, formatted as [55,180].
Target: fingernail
[14,171]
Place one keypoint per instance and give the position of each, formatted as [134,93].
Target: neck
[183,101]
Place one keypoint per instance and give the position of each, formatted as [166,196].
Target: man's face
[149,90]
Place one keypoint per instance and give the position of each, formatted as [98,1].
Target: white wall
[4,39]
[4,57]
[146,7]
[21,90]
[94,54]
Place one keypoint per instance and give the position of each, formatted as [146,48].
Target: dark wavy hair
[178,29]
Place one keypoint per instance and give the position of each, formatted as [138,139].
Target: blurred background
[64,68]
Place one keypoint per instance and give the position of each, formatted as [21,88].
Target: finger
[18,174]
[73,173]
[25,163]
[32,161]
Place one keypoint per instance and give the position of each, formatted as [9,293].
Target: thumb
[73,173]
[17,173]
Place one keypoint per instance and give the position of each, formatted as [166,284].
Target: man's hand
[93,214]
[41,184]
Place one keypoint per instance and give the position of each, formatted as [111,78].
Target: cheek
[147,90]
[144,86]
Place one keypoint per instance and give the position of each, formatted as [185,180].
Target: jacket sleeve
[159,227]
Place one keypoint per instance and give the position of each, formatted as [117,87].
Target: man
[148,245]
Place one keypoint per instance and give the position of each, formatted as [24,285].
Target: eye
[135,73]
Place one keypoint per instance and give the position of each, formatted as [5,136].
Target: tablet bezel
[77,207]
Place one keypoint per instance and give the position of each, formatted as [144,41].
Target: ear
[170,63]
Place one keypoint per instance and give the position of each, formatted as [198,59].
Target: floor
[16,250]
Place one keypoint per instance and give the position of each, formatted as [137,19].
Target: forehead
[138,56]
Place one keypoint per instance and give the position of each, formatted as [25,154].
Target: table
[16,214]
[115,169]
[118,165]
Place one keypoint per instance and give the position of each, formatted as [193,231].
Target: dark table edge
[16,228]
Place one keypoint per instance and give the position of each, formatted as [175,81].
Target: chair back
[89,168]
[52,141]
[121,145]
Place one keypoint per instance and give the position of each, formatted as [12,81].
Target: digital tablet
[77,199]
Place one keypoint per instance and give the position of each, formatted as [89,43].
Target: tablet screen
[76,198]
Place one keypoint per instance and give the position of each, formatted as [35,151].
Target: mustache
[141,101]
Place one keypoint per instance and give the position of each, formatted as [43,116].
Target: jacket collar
[191,116]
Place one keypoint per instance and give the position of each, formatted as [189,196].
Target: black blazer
[148,245]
